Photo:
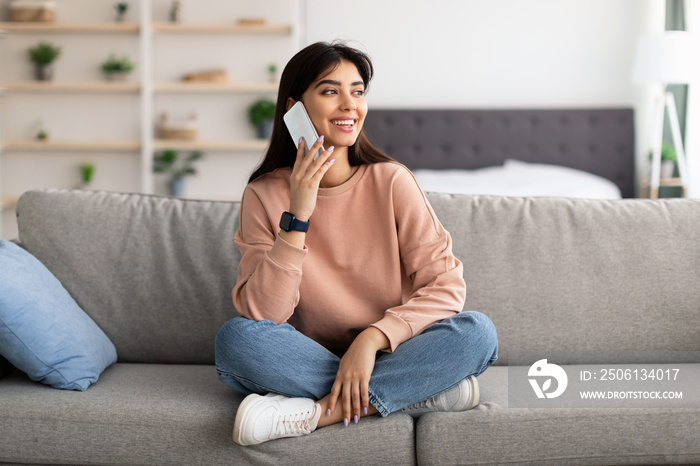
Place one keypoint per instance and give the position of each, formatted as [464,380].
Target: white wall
[499,53]
[438,53]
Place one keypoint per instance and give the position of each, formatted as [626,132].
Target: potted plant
[87,171]
[43,55]
[176,11]
[668,160]
[272,72]
[262,114]
[39,131]
[122,8]
[117,69]
[169,163]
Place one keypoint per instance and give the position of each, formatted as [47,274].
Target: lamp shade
[665,58]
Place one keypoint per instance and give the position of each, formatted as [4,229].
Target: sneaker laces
[294,424]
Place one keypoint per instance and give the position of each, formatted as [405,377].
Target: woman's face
[336,105]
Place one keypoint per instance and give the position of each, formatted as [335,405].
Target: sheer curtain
[692,125]
[675,21]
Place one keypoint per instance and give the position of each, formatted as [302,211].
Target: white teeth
[343,122]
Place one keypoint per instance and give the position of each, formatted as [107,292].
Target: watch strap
[288,222]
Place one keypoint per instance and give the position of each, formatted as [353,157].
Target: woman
[347,285]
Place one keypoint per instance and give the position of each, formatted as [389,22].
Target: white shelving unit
[148,87]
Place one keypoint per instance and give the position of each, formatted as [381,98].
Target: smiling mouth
[346,123]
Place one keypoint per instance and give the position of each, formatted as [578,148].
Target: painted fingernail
[328,413]
[331,161]
[365,410]
[331,149]
[301,139]
[356,419]
[320,139]
[346,422]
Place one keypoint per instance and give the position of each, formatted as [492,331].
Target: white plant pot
[667,167]
[116,75]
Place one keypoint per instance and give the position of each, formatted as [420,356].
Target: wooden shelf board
[129,28]
[65,145]
[128,87]
[239,145]
[59,86]
[98,28]
[677,182]
[204,87]
[232,28]
[671,182]
[8,202]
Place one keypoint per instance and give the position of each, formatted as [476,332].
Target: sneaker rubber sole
[242,415]
[474,388]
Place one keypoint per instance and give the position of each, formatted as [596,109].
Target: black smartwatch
[289,222]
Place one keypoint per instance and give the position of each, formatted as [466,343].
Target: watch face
[286,221]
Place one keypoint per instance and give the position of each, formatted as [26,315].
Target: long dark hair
[303,69]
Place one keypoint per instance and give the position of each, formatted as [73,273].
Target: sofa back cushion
[580,275]
[155,273]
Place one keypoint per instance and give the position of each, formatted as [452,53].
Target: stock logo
[543,370]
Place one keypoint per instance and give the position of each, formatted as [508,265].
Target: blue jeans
[262,357]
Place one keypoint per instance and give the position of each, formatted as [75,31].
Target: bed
[586,153]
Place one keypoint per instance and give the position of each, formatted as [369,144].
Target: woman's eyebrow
[337,83]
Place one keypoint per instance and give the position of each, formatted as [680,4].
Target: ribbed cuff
[395,329]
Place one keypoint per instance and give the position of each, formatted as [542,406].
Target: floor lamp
[665,59]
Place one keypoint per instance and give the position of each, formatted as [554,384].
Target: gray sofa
[155,273]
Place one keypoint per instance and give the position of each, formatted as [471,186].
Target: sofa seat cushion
[494,433]
[170,414]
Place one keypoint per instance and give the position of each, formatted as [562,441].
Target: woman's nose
[348,103]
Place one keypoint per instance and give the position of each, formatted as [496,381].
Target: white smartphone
[300,126]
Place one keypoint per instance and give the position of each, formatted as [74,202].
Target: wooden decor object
[186,132]
[211,76]
[251,21]
[38,11]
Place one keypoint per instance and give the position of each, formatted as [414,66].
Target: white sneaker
[273,416]
[461,397]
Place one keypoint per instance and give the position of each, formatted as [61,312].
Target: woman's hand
[352,380]
[307,174]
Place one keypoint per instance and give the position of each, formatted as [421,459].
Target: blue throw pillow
[43,331]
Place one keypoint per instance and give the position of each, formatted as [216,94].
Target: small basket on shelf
[38,11]
[184,132]
[208,76]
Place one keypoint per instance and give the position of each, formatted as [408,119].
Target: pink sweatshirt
[375,255]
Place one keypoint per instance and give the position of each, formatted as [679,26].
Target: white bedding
[516,178]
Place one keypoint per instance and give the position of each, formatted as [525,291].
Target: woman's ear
[290,103]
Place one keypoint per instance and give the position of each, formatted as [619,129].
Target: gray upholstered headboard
[599,141]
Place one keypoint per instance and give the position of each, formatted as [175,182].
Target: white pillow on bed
[516,178]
